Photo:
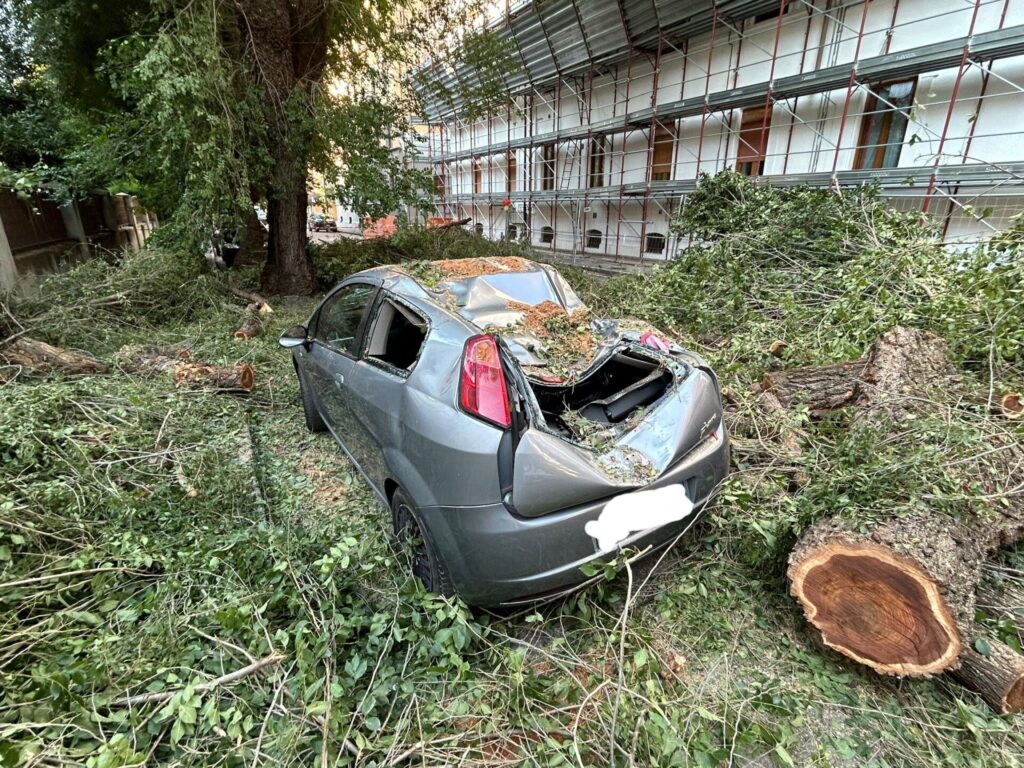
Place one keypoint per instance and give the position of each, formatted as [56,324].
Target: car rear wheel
[410,532]
[314,421]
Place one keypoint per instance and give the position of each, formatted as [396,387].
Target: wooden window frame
[599,150]
[661,167]
[547,167]
[757,121]
[871,157]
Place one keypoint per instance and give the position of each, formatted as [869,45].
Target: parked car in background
[318,222]
[514,437]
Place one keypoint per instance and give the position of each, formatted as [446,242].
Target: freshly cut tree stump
[40,357]
[998,676]
[898,599]
[239,378]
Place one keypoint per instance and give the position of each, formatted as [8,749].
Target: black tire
[314,421]
[409,530]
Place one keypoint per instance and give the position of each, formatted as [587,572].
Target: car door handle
[339,379]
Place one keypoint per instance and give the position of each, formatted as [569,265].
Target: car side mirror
[295,336]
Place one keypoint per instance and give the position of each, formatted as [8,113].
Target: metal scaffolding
[740,94]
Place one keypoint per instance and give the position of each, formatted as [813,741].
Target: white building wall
[815,133]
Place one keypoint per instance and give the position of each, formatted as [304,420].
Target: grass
[154,539]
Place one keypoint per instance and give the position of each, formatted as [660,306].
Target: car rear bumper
[494,557]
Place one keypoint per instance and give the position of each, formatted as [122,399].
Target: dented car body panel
[504,507]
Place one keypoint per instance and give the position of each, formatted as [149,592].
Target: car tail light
[482,390]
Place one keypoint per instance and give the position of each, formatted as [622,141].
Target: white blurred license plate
[638,512]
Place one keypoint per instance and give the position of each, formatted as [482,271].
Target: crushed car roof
[546,326]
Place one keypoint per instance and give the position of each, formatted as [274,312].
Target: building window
[439,183]
[886,113]
[779,10]
[547,167]
[547,235]
[655,243]
[478,176]
[510,180]
[593,238]
[598,153]
[753,141]
[663,150]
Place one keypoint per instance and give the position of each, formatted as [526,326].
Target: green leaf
[982,646]
[640,658]
[783,755]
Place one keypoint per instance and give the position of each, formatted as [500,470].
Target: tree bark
[823,388]
[904,367]
[289,44]
[238,378]
[997,677]
[42,358]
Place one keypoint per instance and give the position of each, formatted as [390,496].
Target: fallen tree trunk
[898,594]
[997,676]
[39,357]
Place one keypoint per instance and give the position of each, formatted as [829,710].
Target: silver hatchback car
[513,437]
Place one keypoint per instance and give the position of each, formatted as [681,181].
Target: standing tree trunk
[286,55]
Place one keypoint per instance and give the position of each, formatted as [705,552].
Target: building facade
[620,105]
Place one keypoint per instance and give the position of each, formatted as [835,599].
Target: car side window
[337,325]
[396,336]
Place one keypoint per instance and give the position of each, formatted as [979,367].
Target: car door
[395,337]
[337,336]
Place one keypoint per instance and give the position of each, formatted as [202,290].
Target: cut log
[898,599]
[997,676]
[1011,405]
[152,360]
[239,378]
[822,388]
[42,358]
[252,326]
